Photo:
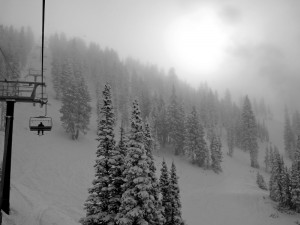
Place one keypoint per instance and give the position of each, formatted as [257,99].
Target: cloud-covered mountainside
[51,175]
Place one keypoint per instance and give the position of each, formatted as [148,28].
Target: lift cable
[43,28]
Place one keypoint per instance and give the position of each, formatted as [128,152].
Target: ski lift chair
[40,124]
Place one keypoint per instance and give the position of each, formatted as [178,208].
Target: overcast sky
[258,40]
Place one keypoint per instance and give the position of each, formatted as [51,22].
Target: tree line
[191,120]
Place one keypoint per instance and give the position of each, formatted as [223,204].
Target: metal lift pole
[6,167]
[10,102]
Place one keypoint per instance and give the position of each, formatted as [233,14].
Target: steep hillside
[51,175]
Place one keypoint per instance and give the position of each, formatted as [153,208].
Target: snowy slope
[51,175]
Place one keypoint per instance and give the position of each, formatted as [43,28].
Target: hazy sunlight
[197,42]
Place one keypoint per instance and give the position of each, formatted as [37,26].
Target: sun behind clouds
[197,41]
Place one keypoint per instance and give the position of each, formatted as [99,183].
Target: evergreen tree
[153,130]
[175,120]
[262,132]
[271,156]
[172,112]
[175,216]
[162,127]
[267,159]
[289,141]
[75,108]
[138,205]
[117,172]
[296,123]
[68,99]
[216,153]
[230,140]
[285,184]
[104,200]
[164,183]
[249,136]
[238,131]
[58,45]
[180,130]
[261,182]
[195,144]
[279,181]
[83,110]
[122,145]
[275,171]
[295,179]
[149,146]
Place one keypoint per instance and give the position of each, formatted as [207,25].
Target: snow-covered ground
[51,175]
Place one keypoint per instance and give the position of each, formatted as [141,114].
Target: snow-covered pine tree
[117,172]
[68,100]
[175,121]
[175,216]
[104,199]
[172,112]
[83,108]
[149,145]
[296,123]
[230,140]
[261,181]
[295,178]
[267,159]
[56,72]
[58,46]
[164,184]
[284,184]
[162,127]
[122,145]
[180,130]
[154,190]
[153,130]
[249,135]
[98,102]
[238,130]
[289,140]
[271,156]
[75,108]
[195,145]
[212,114]
[138,205]
[216,153]
[279,181]
[266,132]
[275,171]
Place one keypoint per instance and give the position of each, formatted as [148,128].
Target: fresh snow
[51,175]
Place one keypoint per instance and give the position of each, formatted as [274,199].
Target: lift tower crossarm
[21,91]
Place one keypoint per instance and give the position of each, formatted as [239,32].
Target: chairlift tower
[12,91]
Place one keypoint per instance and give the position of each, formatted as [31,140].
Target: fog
[260,57]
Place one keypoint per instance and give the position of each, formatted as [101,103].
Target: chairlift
[40,123]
